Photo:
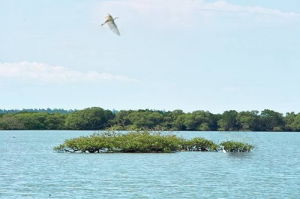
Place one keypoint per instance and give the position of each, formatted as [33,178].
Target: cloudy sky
[211,55]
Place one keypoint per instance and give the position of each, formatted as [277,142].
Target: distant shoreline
[96,130]
[96,118]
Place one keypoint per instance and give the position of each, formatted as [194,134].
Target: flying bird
[110,21]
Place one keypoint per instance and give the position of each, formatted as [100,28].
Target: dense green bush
[143,142]
[138,142]
[231,146]
[200,144]
[88,119]
[32,121]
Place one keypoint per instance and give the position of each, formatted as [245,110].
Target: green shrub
[200,144]
[231,146]
[133,142]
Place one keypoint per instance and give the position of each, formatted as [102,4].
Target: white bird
[223,150]
[110,21]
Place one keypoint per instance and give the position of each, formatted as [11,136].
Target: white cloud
[180,12]
[48,73]
[224,6]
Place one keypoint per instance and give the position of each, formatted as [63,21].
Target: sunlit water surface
[29,168]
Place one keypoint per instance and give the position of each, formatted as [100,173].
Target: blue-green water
[30,169]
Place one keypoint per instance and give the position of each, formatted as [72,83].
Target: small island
[145,142]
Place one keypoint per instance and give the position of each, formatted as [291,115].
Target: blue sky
[172,54]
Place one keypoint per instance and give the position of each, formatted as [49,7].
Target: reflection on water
[239,155]
[30,169]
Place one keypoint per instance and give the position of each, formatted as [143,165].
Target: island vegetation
[145,142]
[232,146]
[99,119]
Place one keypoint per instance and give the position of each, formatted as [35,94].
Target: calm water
[30,169]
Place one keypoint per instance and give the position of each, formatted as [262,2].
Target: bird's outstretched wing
[111,24]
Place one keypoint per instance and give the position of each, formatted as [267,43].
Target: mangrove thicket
[145,142]
[96,118]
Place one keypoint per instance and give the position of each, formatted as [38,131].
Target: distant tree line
[97,118]
[48,110]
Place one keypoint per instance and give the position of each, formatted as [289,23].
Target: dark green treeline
[97,118]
